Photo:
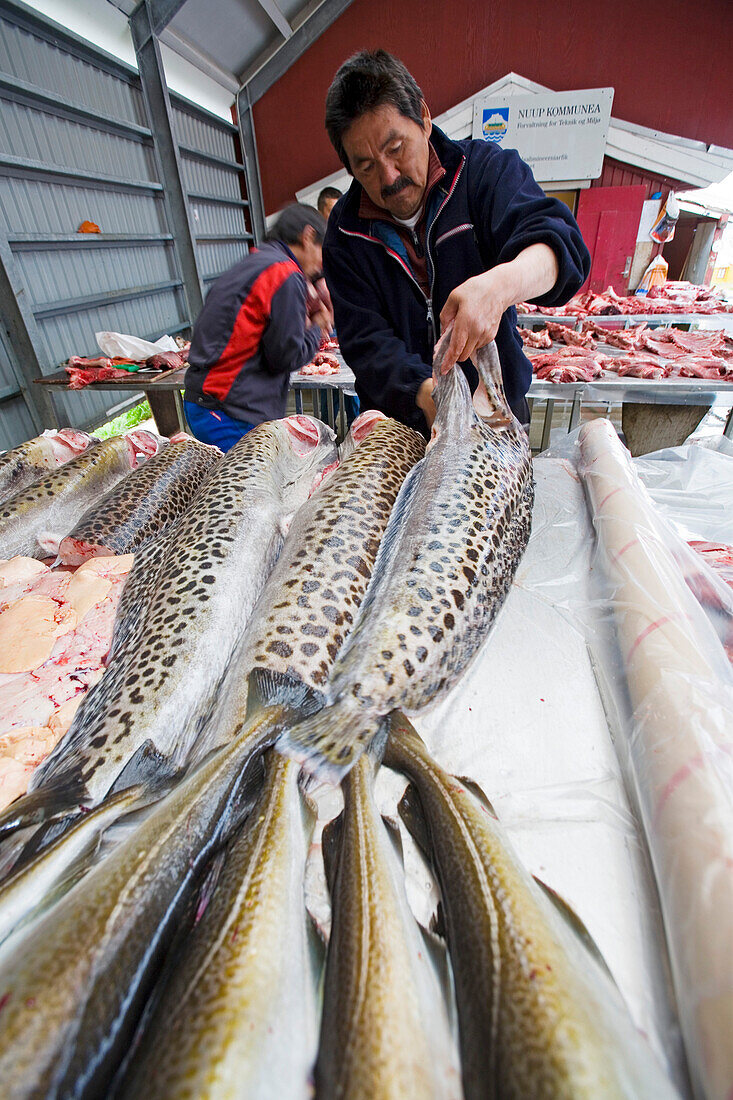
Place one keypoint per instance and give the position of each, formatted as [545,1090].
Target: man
[433,229]
[255,328]
[327,199]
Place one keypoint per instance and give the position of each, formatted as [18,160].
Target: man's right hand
[424,400]
[323,319]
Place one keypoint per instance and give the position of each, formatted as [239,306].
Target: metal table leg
[547,426]
[342,414]
[728,429]
[299,402]
[575,411]
[329,406]
[167,411]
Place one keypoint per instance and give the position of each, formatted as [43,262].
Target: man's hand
[476,306]
[323,318]
[424,400]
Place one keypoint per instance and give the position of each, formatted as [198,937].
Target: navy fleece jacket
[484,212]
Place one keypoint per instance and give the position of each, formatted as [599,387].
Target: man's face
[310,253]
[388,154]
[328,205]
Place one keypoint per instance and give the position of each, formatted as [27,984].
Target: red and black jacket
[250,335]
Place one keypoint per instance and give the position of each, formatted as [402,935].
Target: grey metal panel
[46,274]
[35,205]
[208,179]
[32,57]
[219,257]
[16,423]
[38,136]
[215,218]
[210,135]
[73,333]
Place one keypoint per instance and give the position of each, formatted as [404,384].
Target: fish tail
[47,803]
[329,743]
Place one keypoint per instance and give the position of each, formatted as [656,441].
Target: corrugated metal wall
[75,145]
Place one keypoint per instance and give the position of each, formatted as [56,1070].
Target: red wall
[669,63]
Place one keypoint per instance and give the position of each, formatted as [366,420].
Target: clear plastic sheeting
[676,735]
[692,486]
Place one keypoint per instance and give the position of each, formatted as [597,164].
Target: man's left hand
[475,308]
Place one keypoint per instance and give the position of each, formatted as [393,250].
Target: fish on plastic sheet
[143,505]
[456,535]
[34,520]
[238,1015]
[73,987]
[181,614]
[385,1029]
[24,464]
[312,596]
[538,1013]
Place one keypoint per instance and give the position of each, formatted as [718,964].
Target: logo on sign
[495,123]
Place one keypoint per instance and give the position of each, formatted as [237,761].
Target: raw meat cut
[55,632]
[322,363]
[570,336]
[539,339]
[636,366]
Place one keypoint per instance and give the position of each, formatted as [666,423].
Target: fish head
[312,450]
[69,442]
[142,445]
[455,414]
[489,400]
[363,424]
[306,434]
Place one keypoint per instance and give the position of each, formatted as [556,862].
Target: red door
[609,221]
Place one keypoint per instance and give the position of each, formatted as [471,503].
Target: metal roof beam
[276,61]
[277,17]
[151,17]
[157,102]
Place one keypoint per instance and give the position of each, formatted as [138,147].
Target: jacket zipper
[428,298]
[408,273]
[427,244]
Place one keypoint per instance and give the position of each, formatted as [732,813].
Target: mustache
[397,186]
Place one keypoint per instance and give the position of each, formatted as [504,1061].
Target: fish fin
[478,793]
[272,689]
[46,803]
[411,811]
[490,399]
[331,845]
[146,767]
[437,922]
[328,743]
[388,546]
[576,925]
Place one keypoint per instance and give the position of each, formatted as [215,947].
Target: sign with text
[561,135]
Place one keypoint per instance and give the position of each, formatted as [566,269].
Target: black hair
[366,81]
[326,194]
[292,220]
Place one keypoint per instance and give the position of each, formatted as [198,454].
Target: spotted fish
[23,465]
[74,987]
[181,614]
[239,1014]
[537,1015]
[454,540]
[143,505]
[311,598]
[34,520]
[384,1031]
